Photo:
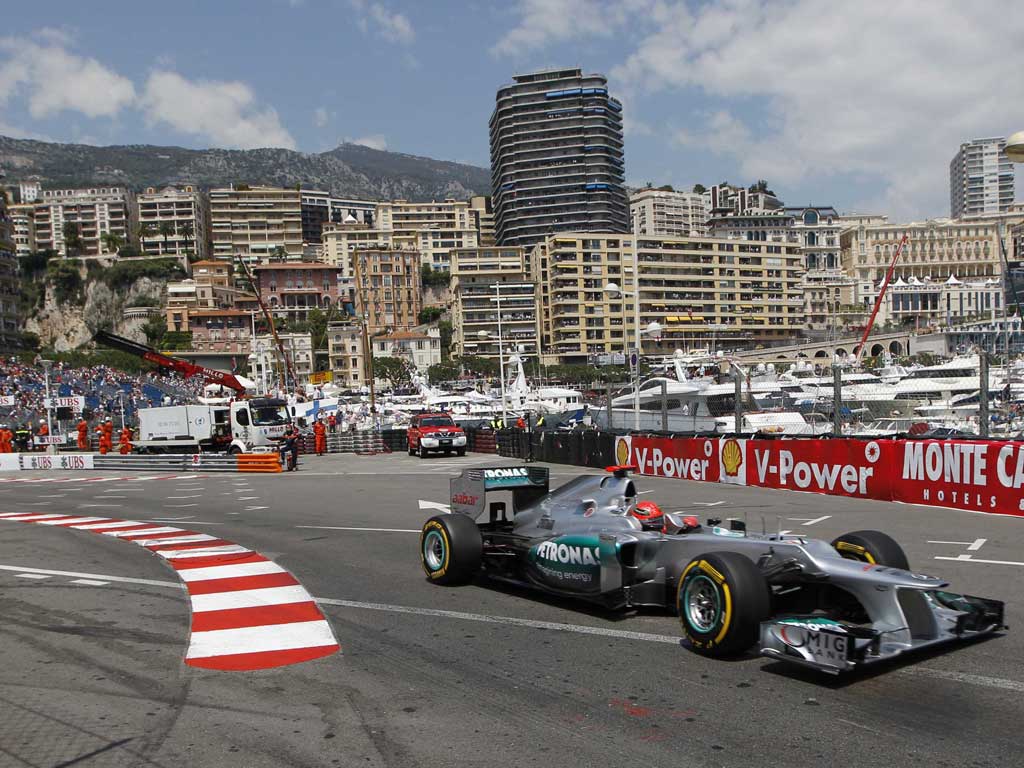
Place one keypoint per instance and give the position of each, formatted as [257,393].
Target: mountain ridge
[348,170]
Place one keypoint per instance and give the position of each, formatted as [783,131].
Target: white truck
[244,426]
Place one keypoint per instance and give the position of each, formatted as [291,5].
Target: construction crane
[881,295]
[184,367]
[270,322]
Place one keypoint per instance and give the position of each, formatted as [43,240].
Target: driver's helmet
[649,514]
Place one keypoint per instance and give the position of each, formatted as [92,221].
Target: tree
[166,229]
[187,232]
[445,327]
[111,241]
[432,278]
[699,189]
[761,186]
[145,231]
[316,322]
[429,315]
[446,371]
[72,239]
[395,370]
[482,367]
[279,254]
[155,330]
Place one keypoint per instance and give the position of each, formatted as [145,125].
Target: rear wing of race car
[468,491]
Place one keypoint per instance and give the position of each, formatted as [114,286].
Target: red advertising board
[683,459]
[963,474]
[858,468]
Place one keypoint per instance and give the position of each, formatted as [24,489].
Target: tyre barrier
[481,441]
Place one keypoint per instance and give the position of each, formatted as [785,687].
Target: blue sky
[860,106]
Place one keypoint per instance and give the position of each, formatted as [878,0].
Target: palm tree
[187,231]
[166,229]
[112,241]
[145,231]
[279,254]
[72,238]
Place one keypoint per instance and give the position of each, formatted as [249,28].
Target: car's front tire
[722,598]
[423,451]
[872,547]
[450,549]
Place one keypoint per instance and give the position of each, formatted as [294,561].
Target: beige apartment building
[341,240]
[665,213]
[210,287]
[173,221]
[433,228]
[96,212]
[387,289]
[487,282]
[23,231]
[346,347]
[704,292]
[256,223]
[483,219]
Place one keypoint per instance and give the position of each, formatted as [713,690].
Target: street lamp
[652,329]
[484,336]
[47,365]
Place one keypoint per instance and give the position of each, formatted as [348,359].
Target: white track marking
[971,559]
[125,579]
[32,576]
[90,582]
[344,528]
[193,496]
[31,517]
[963,677]
[51,495]
[177,554]
[84,506]
[247,498]
[976,545]
[248,509]
[230,571]
[275,637]
[810,520]
[76,520]
[249,598]
[176,540]
[122,524]
[35,503]
[707,503]
[179,506]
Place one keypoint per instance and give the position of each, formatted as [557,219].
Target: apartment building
[346,347]
[981,178]
[210,287]
[482,212]
[173,221]
[291,290]
[702,291]
[220,330]
[421,348]
[387,288]
[341,240]
[731,200]
[297,346]
[256,223]
[488,283]
[432,228]
[10,324]
[320,208]
[667,213]
[757,226]
[826,288]
[101,216]
[23,230]
[557,160]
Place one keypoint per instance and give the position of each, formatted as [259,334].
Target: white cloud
[320,117]
[225,112]
[545,22]
[374,141]
[878,90]
[53,79]
[392,26]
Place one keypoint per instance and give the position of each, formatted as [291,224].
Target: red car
[435,432]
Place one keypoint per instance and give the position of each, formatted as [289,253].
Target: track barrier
[198,462]
[973,475]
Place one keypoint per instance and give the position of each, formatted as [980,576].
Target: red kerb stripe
[242,662]
[212,560]
[236,618]
[242,582]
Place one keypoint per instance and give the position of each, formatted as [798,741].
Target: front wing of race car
[933,617]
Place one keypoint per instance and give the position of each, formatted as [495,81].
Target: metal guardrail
[184,462]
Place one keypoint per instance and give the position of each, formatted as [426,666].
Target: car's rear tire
[450,549]
[722,598]
[872,547]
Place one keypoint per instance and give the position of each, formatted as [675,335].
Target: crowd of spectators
[107,391]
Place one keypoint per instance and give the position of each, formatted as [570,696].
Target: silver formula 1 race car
[834,606]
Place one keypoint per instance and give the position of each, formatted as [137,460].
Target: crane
[270,322]
[881,295]
[184,367]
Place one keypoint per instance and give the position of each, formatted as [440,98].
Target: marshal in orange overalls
[125,441]
[83,435]
[320,435]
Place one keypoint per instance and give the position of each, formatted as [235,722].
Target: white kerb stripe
[250,598]
[177,554]
[175,540]
[142,531]
[274,637]
[229,571]
[31,517]
[11,514]
[75,519]
[122,524]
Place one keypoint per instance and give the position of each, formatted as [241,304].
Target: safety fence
[974,475]
[199,462]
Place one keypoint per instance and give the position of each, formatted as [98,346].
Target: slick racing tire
[872,547]
[450,549]
[722,598]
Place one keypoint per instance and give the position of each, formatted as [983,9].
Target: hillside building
[174,221]
[256,223]
[98,214]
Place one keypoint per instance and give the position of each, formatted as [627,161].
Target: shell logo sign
[732,461]
[623,450]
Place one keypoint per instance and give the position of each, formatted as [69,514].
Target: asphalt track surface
[93,675]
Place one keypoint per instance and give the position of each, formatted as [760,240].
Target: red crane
[184,367]
[881,295]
